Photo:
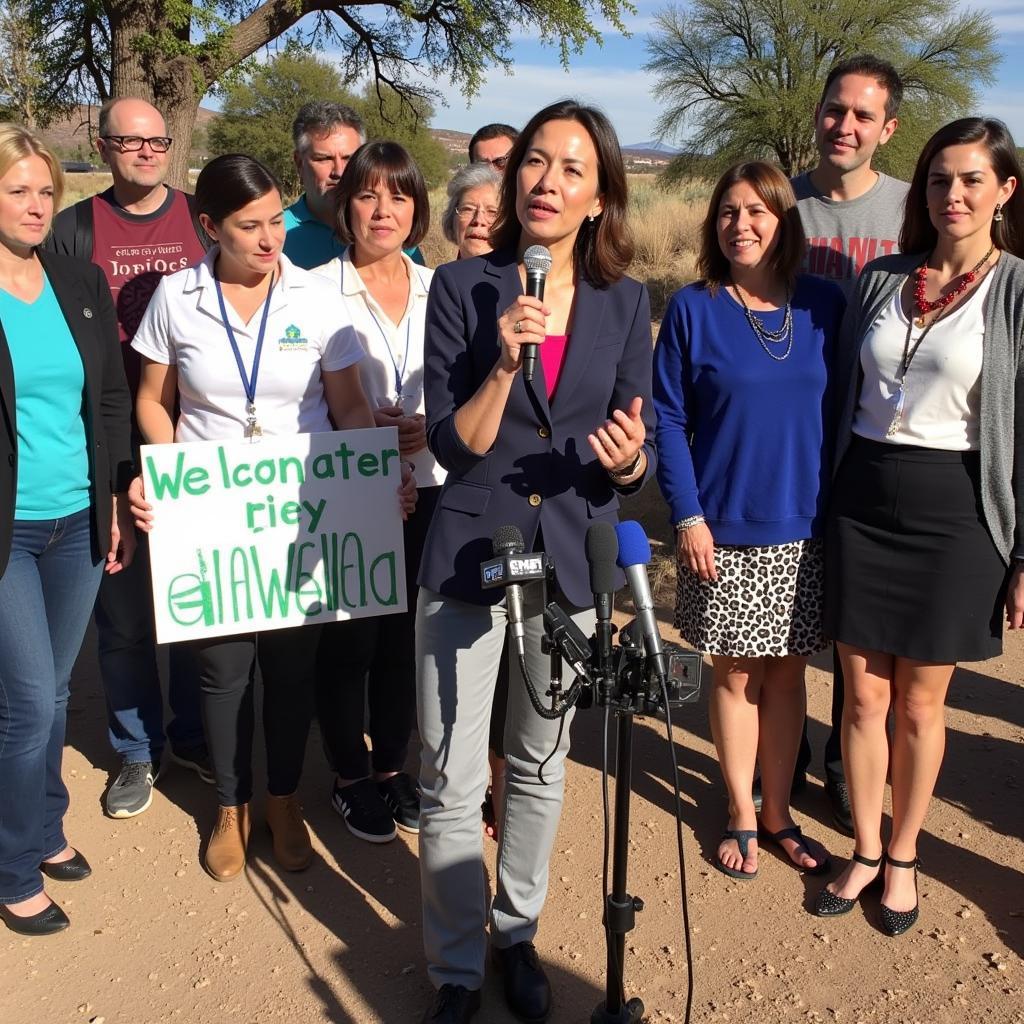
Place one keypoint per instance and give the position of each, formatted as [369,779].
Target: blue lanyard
[399,371]
[248,382]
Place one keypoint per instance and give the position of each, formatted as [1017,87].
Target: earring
[591,218]
[998,215]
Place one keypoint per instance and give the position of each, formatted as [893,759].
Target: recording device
[537,261]
[634,557]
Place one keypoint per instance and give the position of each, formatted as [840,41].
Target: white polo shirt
[394,352]
[308,331]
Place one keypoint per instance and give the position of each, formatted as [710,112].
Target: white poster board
[283,532]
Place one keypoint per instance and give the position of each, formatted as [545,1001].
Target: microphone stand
[620,907]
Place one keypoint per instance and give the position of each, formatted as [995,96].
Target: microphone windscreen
[508,540]
[537,258]
[602,548]
[634,547]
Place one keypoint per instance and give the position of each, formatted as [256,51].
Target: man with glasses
[137,231]
[492,145]
[325,134]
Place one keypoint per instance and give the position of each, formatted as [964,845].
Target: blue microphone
[634,557]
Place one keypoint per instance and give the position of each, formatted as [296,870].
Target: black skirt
[910,567]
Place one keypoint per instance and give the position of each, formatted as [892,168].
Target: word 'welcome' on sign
[292,530]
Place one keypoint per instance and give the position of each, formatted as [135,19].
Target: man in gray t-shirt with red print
[136,232]
[851,214]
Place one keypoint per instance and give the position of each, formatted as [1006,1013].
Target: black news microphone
[508,540]
[634,556]
[602,547]
[537,261]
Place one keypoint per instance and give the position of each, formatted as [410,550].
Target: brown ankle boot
[225,853]
[292,849]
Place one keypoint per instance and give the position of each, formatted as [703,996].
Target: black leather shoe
[73,870]
[46,922]
[453,1004]
[527,990]
[839,798]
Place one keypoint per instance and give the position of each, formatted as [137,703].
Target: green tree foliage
[26,95]
[740,79]
[172,52]
[259,109]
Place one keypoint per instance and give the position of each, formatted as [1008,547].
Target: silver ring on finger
[517,327]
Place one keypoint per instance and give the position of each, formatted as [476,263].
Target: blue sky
[612,77]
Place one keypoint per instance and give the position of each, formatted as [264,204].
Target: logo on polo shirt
[293,341]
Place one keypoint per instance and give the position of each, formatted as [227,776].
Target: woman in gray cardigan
[925,529]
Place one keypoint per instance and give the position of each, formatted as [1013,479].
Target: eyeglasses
[472,212]
[498,163]
[133,143]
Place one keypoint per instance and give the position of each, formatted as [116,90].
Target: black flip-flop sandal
[742,837]
[793,832]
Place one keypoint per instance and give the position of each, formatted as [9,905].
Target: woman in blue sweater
[740,375]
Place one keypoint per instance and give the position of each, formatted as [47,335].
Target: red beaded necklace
[921,275]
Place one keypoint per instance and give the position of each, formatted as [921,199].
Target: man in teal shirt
[326,135]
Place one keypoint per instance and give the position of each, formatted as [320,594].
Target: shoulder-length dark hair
[391,163]
[918,233]
[229,182]
[604,247]
[775,191]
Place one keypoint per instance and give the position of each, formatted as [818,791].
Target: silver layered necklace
[767,337]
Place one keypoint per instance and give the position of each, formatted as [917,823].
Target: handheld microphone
[537,261]
[602,547]
[633,558]
[508,541]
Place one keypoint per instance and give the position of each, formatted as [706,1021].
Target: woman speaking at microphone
[549,456]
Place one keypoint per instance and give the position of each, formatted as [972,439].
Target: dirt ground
[154,939]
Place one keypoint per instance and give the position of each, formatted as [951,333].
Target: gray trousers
[458,647]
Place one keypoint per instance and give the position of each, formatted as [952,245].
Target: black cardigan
[84,297]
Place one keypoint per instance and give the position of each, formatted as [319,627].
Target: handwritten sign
[288,531]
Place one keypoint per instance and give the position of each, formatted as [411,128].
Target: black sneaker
[453,1004]
[403,801]
[839,798]
[365,813]
[132,791]
[194,756]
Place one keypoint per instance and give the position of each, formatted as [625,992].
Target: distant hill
[654,146]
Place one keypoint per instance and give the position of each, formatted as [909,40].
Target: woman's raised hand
[695,548]
[531,315]
[618,440]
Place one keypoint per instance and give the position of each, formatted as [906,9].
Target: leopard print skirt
[766,602]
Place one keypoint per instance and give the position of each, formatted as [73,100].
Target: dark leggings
[371,664]
[833,745]
[226,665]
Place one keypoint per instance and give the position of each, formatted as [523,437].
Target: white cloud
[1004,104]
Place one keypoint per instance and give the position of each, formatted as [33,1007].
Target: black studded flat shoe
[896,922]
[828,904]
[73,870]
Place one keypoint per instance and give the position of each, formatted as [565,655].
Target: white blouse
[942,388]
[394,352]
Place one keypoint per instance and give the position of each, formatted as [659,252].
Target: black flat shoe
[828,904]
[46,922]
[453,1004]
[527,990]
[896,922]
[73,870]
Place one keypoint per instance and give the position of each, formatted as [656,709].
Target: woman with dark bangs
[740,386]
[381,207]
[549,456]
[925,537]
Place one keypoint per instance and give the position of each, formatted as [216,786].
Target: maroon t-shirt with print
[135,252]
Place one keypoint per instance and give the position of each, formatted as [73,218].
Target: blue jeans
[46,597]
[126,641]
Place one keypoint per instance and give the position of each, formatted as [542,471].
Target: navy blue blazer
[541,475]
